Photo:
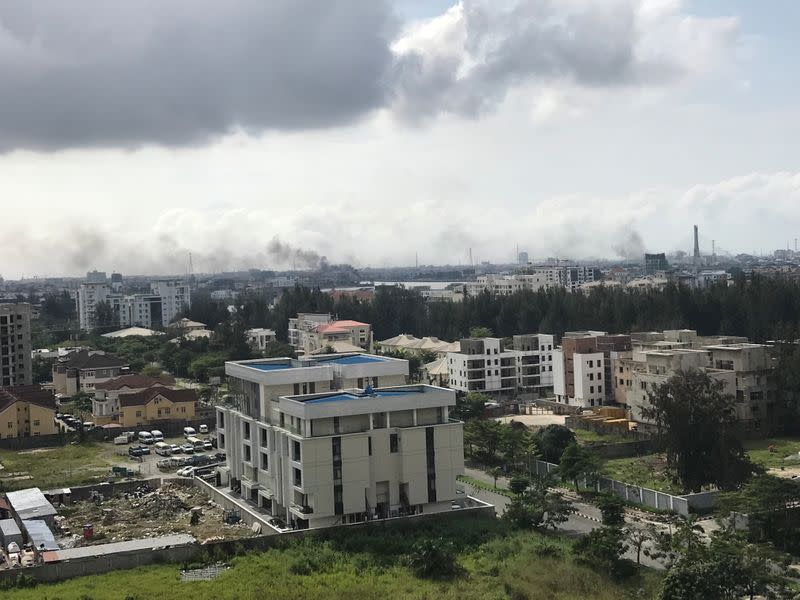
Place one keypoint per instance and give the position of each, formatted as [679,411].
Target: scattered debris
[146,512]
[205,574]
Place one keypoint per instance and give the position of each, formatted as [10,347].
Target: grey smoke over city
[630,245]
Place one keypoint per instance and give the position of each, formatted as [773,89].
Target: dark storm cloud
[105,73]
[89,73]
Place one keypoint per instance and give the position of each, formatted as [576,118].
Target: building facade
[105,404]
[259,338]
[27,411]
[582,367]
[311,333]
[155,405]
[484,365]
[316,457]
[15,344]
[84,369]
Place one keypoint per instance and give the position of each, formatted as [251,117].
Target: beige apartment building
[746,370]
[156,404]
[15,344]
[105,404]
[316,457]
[84,370]
[26,411]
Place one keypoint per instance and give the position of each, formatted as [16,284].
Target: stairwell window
[394,443]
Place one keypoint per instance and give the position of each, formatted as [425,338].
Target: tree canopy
[695,425]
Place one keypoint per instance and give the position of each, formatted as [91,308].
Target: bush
[518,484]
[612,508]
[434,559]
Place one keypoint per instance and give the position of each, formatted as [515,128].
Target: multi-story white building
[157,309]
[310,333]
[534,279]
[483,365]
[582,367]
[175,298]
[15,344]
[316,457]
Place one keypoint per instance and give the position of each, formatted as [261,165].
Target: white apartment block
[15,344]
[314,457]
[312,332]
[159,308]
[483,365]
[534,279]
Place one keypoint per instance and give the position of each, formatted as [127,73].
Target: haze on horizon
[251,133]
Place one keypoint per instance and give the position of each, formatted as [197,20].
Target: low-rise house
[105,404]
[27,411]
[132,332]
[154,404]
[84,369]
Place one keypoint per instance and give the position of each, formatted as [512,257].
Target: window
[138,413]
[295,450]
[591,389]
[591,376]
[591,363]
[335,424]
[394,443]
[369,445]
[246,431]
[36,423]
[265,461]
[247,453]
[298,477]
[599,375]
[599,389]
[296,389]
[620,369]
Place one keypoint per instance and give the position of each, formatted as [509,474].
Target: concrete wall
[108,490]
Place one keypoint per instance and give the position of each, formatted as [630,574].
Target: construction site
[176,507]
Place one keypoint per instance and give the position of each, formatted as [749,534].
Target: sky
[266,135]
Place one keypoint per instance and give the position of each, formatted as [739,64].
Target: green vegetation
[492,562]
[482,485]
[585,437]
[647,471]
[63,466]
[695,421]
[759,452]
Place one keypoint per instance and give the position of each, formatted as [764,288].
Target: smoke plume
[287,255]
[629,245]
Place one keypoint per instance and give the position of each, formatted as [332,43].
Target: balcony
[300,509]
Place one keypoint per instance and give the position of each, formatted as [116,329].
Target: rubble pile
[146,512]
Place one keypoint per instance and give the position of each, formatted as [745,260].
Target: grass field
[647,471]
[588,438]
[62,466]
[759,451]
[495,564]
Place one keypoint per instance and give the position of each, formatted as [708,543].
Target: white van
[157,435]
[203,428]
[145,437]
[189,432]
[163,449]
[196,442]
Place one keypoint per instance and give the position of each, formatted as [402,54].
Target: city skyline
[444,127]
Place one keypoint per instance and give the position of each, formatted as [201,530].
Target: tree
[553,440]
[152,371]
[602,549]
[496,473]
[433,558]
[82,403]
[612,509]
[104,315]
[538,506]
[695,425]
[577,462]
[480,332]
[278,350]
[42,369]
[470,406]
[638,534]
[518,484]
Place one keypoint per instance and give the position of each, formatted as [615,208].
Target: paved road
[586,518]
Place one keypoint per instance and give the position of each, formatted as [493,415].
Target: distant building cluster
[166,299]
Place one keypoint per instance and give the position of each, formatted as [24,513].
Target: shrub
[434,559]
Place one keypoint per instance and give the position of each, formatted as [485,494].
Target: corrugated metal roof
[40,535]
[30,503]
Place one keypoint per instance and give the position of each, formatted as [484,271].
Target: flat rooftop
[119,547]
[340,396]
[292,363]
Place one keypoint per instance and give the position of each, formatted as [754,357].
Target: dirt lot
[145,513]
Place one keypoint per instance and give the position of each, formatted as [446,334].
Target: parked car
[203,428]
[175,448]
[208,445]
[187,449]
[186,472]
[188,432]
[157,435]
[220,456]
